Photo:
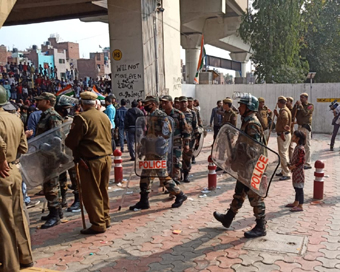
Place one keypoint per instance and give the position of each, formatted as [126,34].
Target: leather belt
[95,158]
[286,132]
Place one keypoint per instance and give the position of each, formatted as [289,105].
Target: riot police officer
[251,126]
[155,128]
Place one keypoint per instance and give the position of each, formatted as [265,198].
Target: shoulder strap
[85,122]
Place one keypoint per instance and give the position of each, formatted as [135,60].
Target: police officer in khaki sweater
[228,114]
[289,105]
[15,241]
[265,116]
[283,125]
[304,116]
[90,141]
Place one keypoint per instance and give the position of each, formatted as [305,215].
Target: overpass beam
[191,43]
[5,9]
[242,57]
[145,48]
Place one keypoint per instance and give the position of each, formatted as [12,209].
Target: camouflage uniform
[181,138]
[50,119]
[251,126]
[191,118]
[156,128]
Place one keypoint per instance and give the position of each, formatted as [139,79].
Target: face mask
[148,108]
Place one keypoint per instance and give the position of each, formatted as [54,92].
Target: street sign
[117,54]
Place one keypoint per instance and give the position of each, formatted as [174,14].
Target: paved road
[144,240]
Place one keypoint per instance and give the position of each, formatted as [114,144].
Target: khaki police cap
[88,95]
[183,99]
[261,99]
[166,98]
[282,98]
[304,94]
[190,98]
[151,98]
[46,96]
[176,99]
[290,98]
[227,100]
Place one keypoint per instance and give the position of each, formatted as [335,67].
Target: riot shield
[247,160]
[47,156]
[153,145]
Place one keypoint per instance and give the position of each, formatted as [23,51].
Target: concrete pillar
[242,57]
[145,48]
[191,61]
[191,43]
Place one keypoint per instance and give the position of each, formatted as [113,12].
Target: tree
[321,39]
[273,30]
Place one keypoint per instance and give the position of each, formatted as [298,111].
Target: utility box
[205,78]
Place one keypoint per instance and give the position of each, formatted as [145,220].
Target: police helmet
[3,96]
[64,101]
[251,102]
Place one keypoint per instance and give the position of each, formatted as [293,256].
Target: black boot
[53,220]
[46,217]
[332,148]
[186,177]
[143,203]
[258,230]
[63,198]
[76,204]
[193,160]
[180,198]
[225,219]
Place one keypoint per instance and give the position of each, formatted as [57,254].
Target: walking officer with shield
[243,158]
[153,147]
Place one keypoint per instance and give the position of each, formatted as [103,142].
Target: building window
[61,61]
[98,56]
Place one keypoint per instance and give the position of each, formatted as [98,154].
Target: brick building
[3,55]
[93,67]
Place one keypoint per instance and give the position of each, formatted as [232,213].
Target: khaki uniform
[50,119]
[15,245]
[229,117]
[265,116]
[90,140]
[304,120]
[284,118]
[291,145]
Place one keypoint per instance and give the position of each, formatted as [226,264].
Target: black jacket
[130,118]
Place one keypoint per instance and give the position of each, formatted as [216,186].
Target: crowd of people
[98,127]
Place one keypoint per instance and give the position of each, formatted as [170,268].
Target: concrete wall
[322,117]
[188,90]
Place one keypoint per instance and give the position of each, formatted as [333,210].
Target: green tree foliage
[273,29]
[321,39]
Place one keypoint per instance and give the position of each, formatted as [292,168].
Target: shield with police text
[197,149]
[153,143]
[244,158]
[47,156]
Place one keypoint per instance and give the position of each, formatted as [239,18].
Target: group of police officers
[90,141]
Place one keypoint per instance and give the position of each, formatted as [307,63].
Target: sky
[89,36]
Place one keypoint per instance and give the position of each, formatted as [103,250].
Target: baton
[127,186]
[80,196]
[271,125]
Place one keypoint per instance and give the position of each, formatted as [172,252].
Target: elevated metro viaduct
[145,35]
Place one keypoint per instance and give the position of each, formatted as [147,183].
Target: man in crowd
[110,111]
[176,103]
[181,137]
[228,115]
[50,119]
[335,107]
[304,114]
[156,128]
[15,245]
[130,127]
[283,126]
[90,141]
[289,105]
[265,116]
[120,116]
[252,127]
[191,119]
[216,118]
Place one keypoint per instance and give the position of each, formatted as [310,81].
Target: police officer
[251,126]
[191,119]
[289,105]
[265,116]
[335,122]
[49,119]
[283,126]
[181,136]
[199,121]
[63,104]
[177,104]
[155,128]
[304,114]
[229,116]
[15,245]
[90,141]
